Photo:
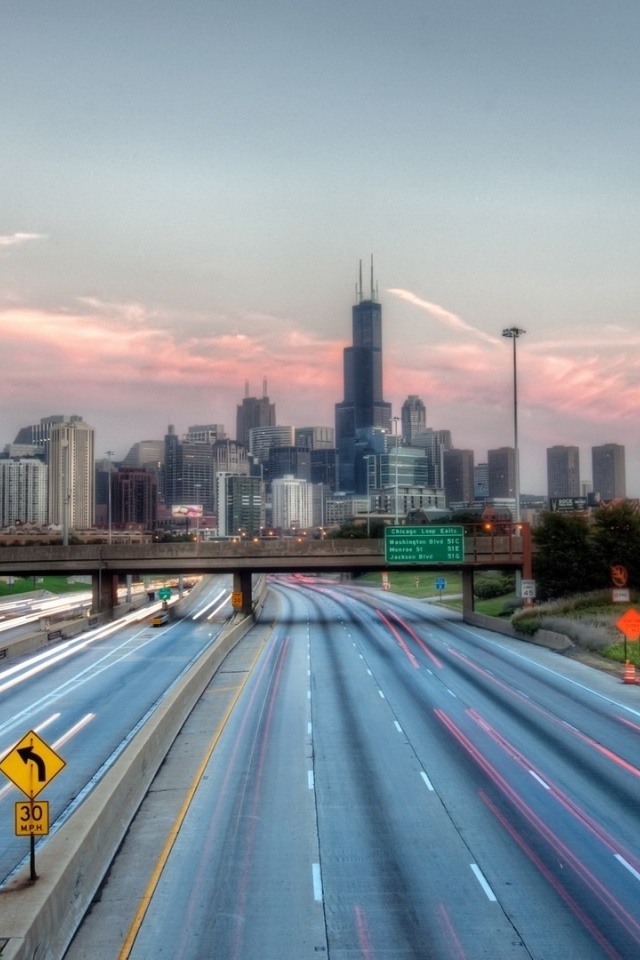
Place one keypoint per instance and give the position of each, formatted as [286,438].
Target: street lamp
[513,333]
[110,454]
[196,487]
[368,457]
[395,430]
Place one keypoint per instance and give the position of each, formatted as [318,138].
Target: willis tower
[363,408]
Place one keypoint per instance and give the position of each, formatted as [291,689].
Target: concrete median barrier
[37,922]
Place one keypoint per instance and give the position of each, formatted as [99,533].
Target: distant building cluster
[275,479]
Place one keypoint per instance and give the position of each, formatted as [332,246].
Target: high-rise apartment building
[315,438]
[363,406]
[609,475]
[134,498]
[292,504]
[240,505]
[563,471]
[230,457]
[205,433]
[145,454]
[23,492]
[501,470]
[188,472]
[481,481]
[413,417]
[288,460]
[434,443]
[254,412]
[71,474]
[458,476]
[262,439]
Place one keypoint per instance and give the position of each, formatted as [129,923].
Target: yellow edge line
[134,929]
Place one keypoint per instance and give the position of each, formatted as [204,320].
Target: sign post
[441,585]
[30,766]
[629,624]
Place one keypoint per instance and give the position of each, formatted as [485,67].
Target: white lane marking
[309,728]
[308,694]
[628,866]
[360,655]
[381,694]
[452,693]
[369,672]
[317,881]
[540,780]
[310,780]
[210,603]
[480,877]
[397,726]
[426,780]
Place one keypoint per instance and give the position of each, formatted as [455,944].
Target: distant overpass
[508,549]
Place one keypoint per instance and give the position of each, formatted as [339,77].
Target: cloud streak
[446,317]
[18,239]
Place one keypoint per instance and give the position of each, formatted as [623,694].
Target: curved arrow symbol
[27,754]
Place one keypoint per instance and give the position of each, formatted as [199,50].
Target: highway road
[85,698]
[380,781]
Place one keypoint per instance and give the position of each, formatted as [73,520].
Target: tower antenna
[372,289]
[360,286]
[246,388]
[264,386]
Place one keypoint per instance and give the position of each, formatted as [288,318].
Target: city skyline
[186,197]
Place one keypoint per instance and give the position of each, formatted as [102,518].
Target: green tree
[565,560]
[349,531]
[616,536]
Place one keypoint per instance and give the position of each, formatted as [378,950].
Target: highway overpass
[510,549]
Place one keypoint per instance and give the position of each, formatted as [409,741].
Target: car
[160,619]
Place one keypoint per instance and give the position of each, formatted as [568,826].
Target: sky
[186,191]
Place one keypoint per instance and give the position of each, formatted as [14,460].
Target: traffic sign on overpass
[428,544]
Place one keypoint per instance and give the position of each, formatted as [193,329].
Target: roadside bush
[486,588]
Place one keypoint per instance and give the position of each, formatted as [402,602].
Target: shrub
[485,588]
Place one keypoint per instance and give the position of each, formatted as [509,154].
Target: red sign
[629,623]
[619,576]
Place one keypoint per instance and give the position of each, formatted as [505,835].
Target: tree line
[572,555]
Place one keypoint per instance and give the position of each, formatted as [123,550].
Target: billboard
[567,504]
[186,510]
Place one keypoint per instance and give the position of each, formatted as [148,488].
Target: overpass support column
[242,591]
[104,587]
[467,592]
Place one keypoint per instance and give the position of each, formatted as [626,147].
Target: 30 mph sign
[31,765]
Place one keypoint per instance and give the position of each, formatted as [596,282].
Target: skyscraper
[458,476]
[23,491]
[413,417]
[363,406]
[563,471]
[501,468]
[254,412]
[72,474]
[609,477]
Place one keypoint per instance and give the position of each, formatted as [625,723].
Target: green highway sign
[164,593]
[429,544]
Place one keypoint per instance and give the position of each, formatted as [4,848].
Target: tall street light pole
[110,454]
[395,428]
[367,458]
[513,333]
